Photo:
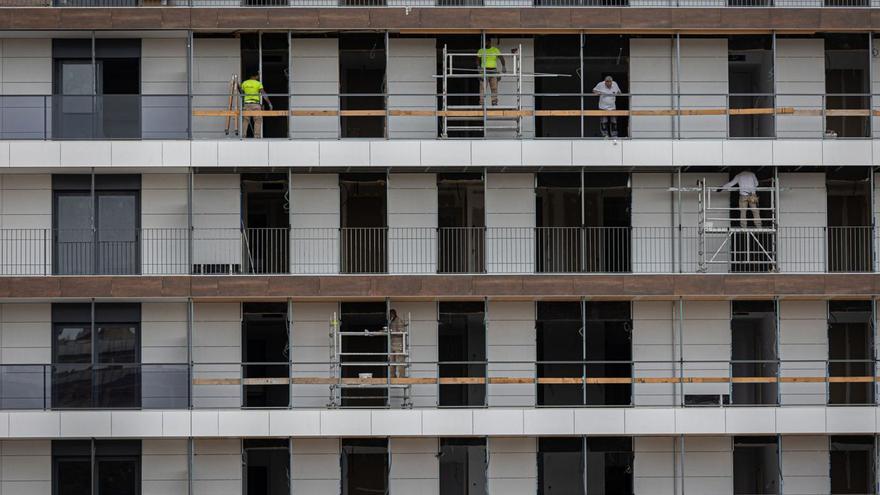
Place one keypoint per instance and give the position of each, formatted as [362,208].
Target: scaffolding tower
[737,242]
[342,359]
[460,119]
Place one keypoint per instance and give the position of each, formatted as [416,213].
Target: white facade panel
[314,85]
[651,73]
[800,83]
[310,348]
[217,222]
[217,467]
[315,220]
[412,63]
[802,216]
[510,219]
[512,466]
[217,344]
[511,351]
[412,223]
[215,62]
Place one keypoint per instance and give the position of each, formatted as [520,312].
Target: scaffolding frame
[461,115]
[371,360]
[718,233]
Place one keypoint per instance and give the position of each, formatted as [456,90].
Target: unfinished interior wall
[310,350]
[654,340]
[314,85]
[412,223]
[26,219]
[652,220]
[703,74]
[217,222]
[415,466]
[315,466]
[412,64]
[215,61]
[217,345]
[423,328]
[164,223]
[651,71]
[314,220]
[511,351]
[510,222]
[805,464]
[164,341]
[802,218]
[800,84]
[217,466]
[803,349]
[706,347]
[512,466]
[164,105]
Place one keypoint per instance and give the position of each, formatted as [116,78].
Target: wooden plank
[606,113]
[608,381]
[313,380]
[848,113]
[704,111]
[753,379]
[802,379]
[314,113]
[560,381]
[413,113]
[461,381]
[362,113]
[214,113]
[503,380]
[413,381]
[851,379]
[265,113]
[805,112]
[216,381]
[266,381]
[652,113]
[705,379]
[751,111]
[656,380]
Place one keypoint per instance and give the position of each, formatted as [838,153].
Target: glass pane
[73,344]
[117,343]
[116,477]
[73,476]
[77,79]
[73,249]
[117,234]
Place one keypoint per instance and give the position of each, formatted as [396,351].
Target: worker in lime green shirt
[488,58]
[253,95]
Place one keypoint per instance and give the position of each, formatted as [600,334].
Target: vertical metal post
[289,349]
[484,83]
[190,230]
[189,83]
[680,231]
[584,349]
[385,86]
[581,77]
[681,453]
[260,69]
[677,134]
[94,224]
[680,351]
[870,84]
[290,465]
[779,463]
[775,88]
[290,260]
[778,362]
[190,452]
[582,230]
[94,118]
[289,96]
[485,364]
[190,310]
[93,484]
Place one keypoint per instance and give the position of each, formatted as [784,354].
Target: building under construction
[482,247]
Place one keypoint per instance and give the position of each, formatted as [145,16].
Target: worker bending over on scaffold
[748,196]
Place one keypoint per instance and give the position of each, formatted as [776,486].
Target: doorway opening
[755,466]
[461,220]
[269,54]
[265,350]
[365,466]
[853,466]
[461,340]
[750,84]
[607,222]
[364,244]
[850,238]
[558,54]
[846,84]
[266,466]
[266,222]
[364,355]
[559,211]
[606,55]
[362,82]
[753,351]
[850,351]
[560,351]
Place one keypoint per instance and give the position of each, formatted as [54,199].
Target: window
[111,467]
[463,465]
[755,466]
[96,221]
[849,219]
[96,355]
[852,465]
[753,351]
[364,466]
[462,352]
[850,351]
[572,346]
[266,467]
[585,466]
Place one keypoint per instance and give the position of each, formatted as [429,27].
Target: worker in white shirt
[607,91]
[748,196]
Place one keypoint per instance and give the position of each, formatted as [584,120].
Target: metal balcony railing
[428,250]
[431,115]
[305,384]
[439,3]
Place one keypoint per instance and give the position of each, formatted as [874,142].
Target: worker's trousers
[258,121]
[749,203]
[606,122]
[493,87]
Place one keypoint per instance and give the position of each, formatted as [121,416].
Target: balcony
[428,250]
[438,3]
[305,384]
[423,116]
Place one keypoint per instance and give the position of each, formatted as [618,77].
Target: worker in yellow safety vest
[488,58]
[253,95]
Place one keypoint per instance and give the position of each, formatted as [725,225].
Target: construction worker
[398,332]
[607,91]
[748,196]
[488,58]
[253,96]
